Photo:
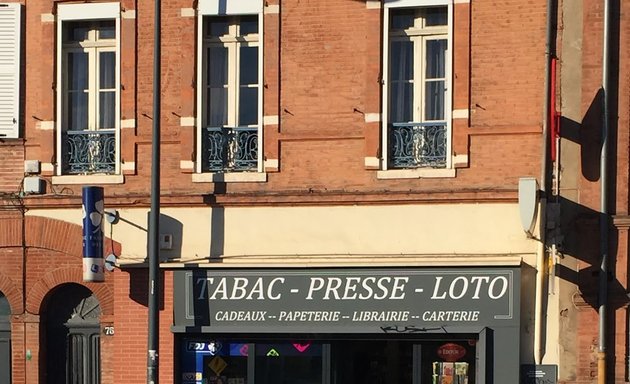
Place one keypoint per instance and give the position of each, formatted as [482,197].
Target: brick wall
[329,57]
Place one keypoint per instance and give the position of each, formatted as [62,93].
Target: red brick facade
[322,75]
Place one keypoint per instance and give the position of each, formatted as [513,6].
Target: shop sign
[451,352]
[334,300]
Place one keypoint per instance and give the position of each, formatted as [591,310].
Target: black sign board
[346,300]
[539,374]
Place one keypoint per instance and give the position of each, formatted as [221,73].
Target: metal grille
[87,152]
[227,149]
[418,145]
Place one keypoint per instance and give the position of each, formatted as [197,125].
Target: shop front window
[356,361]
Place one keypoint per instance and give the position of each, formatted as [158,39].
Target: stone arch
[36,295]
[66,238]
[47,233]
[12,294]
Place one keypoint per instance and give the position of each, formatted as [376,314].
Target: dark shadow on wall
[217,222]
[581,226]
[139,286]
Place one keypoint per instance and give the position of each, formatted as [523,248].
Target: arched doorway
[5,340]
[72,336]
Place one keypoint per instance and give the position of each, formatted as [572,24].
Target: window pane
[402,19]
[248,106]
[248,25]
[107,109]
[106,30]
[217,66]
[77,68]
[401,65]
[401,102]
[434,100]
[218,26]
[217,107]
[75,31]
[436,53]
[249,65]
[435,16]
[107,66]
[77,113]
[283,363]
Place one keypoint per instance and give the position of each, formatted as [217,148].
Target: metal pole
[154,217]
[603,223]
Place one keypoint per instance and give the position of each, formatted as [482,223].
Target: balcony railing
[87,152]
[227,149]
[417,145]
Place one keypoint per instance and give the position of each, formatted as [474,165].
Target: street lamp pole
[154,217]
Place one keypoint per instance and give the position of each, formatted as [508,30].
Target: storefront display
[333,326]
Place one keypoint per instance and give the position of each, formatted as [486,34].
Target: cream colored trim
[272,9]
[89,179]
[187,12]
[128,166]
[270,120]
[45,125]
[461,159]
[420,173]
[373,4]
[187,121]
[372,117]
[130,14]
[186,164]
[461,1]
[302,261]
[271,163]
[128,123]
[47,167]
[460,114]
[373,162]
[48,18]
[88,11]
[235,177]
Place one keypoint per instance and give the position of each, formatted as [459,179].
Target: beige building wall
[324,235]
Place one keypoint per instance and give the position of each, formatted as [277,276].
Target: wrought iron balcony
[417,145]
[226,149]
[87,152]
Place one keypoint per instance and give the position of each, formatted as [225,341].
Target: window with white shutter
[10,70]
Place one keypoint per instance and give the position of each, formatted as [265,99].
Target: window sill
[234,177]
[88,179]
[420,173]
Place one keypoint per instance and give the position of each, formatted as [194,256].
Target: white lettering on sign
[238,288]
[351,288]
[309,316]
[450,316]
[240,316]
[460,287]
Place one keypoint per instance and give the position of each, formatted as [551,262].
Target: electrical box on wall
[166,241]
[32,166]
[33,185]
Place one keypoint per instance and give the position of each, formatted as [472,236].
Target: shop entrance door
[72,334]
[5,341]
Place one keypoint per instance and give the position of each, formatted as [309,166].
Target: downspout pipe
[603,214]
[541,257]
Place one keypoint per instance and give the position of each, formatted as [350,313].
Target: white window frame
[419,172]
[233,8]
[87,12]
